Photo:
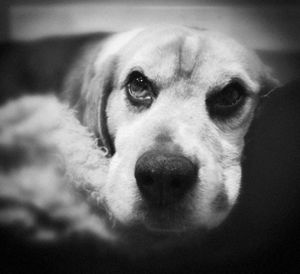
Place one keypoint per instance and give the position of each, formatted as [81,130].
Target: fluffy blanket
[50,172]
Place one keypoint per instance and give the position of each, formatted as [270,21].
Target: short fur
[186,64]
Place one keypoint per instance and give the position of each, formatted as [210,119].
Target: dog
[147,140]
[170,106]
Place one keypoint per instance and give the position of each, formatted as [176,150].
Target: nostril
[144,178]
[176,182]
[147,180]
[164,176]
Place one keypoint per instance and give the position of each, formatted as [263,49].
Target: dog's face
[177,105]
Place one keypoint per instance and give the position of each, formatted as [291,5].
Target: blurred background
[271,27]
[264,25]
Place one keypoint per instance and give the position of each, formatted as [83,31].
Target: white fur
[211,60]
[114,45]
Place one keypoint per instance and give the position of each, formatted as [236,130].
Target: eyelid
[235,80]
[152,84]
[132,70]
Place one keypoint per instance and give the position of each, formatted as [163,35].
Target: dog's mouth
[162,218]
[158,226]
[168,194]
[156,229]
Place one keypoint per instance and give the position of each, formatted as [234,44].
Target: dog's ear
[97,85]
[87,90]
[89,86]
[269,82]
[268,85]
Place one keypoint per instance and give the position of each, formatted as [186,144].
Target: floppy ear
[97,86]
[269,82]
[87,91]
[88,87]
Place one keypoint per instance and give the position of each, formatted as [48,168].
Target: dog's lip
[164,219]
[150,229]
[181,231]
[160,229]
[162,224]
[164,230]
[158,225]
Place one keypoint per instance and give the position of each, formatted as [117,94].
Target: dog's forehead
[170,53]
[162,53]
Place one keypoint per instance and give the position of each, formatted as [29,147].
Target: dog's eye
[139,89]
[227,101]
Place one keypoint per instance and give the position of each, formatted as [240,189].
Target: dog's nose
[163,177]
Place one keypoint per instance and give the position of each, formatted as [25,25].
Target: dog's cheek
[231,164]
[120,193]
[117,112]
[232,182]
[114,112]
[219,181]
[212,194]
[223,196]
[203,145]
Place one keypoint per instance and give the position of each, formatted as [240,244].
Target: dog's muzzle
[164,178]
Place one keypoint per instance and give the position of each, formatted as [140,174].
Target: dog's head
[172,105]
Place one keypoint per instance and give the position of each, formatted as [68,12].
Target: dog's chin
[169,221]
[168,228]
[156,231]
[147,234]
